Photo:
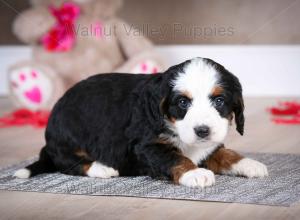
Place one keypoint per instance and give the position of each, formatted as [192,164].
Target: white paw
[101,171]
[249,168]
[197,178]
[22,173]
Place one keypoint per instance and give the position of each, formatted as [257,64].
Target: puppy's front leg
[226,161]
[166,160]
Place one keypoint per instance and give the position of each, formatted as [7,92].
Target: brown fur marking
[162,141]
[162,105]
[187,94]
[217,90]
[182,167]
[86,167]
[172,120]
[82,153]
[222,159]
[162,109]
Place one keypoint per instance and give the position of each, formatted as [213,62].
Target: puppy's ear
[238,107]
[156,92]
[154,96]
[239,115]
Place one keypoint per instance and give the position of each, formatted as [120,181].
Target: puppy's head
[202,100]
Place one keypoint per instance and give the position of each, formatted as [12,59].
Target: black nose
[202,131]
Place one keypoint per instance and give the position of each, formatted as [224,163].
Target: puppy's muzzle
[202,131]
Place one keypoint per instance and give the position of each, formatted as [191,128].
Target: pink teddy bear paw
[146,67]
[30,87]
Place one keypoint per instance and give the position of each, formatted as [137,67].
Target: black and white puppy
[169,125]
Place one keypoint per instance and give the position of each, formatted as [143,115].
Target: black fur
[116,119]
[232,95]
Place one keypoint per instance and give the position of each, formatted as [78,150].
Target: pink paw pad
[33,74]
[144,67]
[34,94]
[22,77]
[154,70]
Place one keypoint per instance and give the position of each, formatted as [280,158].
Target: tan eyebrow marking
[187,94]
[217,90]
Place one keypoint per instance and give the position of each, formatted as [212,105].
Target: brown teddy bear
[72,40]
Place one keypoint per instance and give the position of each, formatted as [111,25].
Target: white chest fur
[200,152]
[195,153]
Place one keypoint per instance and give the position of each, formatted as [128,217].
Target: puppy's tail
[43,165]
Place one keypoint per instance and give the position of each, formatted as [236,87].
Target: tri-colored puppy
[170,125]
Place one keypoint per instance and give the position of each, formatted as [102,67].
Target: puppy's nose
[202,131]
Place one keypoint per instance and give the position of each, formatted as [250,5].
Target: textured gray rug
[281,188]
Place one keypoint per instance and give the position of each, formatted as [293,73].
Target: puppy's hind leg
[97,169]
[80,163]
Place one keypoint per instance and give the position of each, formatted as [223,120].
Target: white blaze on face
[198,79]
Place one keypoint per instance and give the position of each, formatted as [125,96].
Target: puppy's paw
[249,168]
[23,173]
[197,178]
[101,171]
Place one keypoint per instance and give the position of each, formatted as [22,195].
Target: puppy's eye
[219,102]
[183,103]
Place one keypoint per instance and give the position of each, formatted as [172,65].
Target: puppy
[169,125]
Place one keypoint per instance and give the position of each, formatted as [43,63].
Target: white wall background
[262,70]
[9,55]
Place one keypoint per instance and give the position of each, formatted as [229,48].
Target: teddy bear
[72,40]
